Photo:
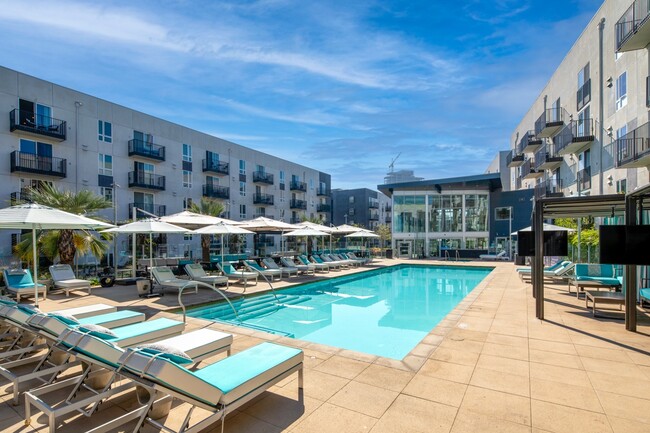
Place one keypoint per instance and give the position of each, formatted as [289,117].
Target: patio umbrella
[193,220]
[307,232]
[222,229]
[361,234]
[267,225]
[149,226]
[319,227]
[38,217]
[346,228]
[547,228]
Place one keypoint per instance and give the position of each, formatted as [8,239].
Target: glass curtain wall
[410,214]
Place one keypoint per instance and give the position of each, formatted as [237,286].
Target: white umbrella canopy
[222,229]
[38,217]
[305,232]
[195,220]
[319,227]
[346,228]
[263,224]
[547,228]
[149,226]
[362,234]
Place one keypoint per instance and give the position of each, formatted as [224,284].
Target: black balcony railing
[323,207]
[146,150]
[528,168]
[18,197]
[373,204]
[214,166]
[296,220]
[514,159]
[583,95]
[322,191]
[647,91]
[549,121]
[373,216]
[630,23]
[528,139]
[584,178]
[216,191]
[546,157]
[266,199]
[262,177]
[575,136]
[155,209]
[141,179]
[549,188]
[28,121]
[296,185]
[297,204]
[633,147]
[23,162]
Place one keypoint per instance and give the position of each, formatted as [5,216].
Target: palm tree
[211,207]
[66,243]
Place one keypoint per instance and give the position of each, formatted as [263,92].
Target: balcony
[263,199]
[155,209]
[584,179]
[373,204]
[19,197]
[141,179]
[575,137]
[550,122]
[297,204]
[529,143]
[266,241]
[549,188]
[323,207]
[528,170]
[322,192]
[37,124]
[583,95]
[217,167]
[633,29]
[22,162]
[546,158]
[262,177]
[296,220]
[146,150]
[216,191]
[517,183]
[514,159]
[296,185]
[633,149]
[373,216]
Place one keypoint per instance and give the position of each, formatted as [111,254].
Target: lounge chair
[343,258]
[197,273]
[302,268]
[557,265]
[98,386]
[319,266]
[49,365]
[253,266]
[218,388]
[19,282]
[286,271]
[319,261]
[594,275]
[64,278]
[644,296]
[164,277]
[353,257]
[500,256]
[560,270]
[233,274]
[326,258]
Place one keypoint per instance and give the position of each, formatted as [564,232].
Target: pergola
[630,206]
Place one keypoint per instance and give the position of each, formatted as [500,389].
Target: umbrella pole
[150,252]
[35,266]
[221,249]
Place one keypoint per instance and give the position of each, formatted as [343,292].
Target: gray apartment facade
[57,135]
[361,206]
[587,133]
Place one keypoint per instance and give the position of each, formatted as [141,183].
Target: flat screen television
[625,245]
[556,243]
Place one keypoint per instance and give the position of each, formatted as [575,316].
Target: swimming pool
[384,312]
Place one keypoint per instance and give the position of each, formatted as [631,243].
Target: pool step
[249,308]
[221,308]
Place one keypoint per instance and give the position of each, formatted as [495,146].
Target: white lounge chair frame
[164,277]
[239,276]
[197,273]
[286,271]
[65,279]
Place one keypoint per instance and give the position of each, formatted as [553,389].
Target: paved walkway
[490,366]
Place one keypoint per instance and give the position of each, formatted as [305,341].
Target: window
[104,131]
[476,212]
[583,76]
[621,186]
[144,167]
[242,211]
[502,214]
[105,164]
[242,189]
[311,184]
[187,202]
[260,169]
[583,95]
[242,167]
[187,179]
[36,148]
[281,196]
[621,91]
[212,180]
[187,153]
[621,132]
[584,123]
[107,193]
[187,237]
[282,177]
[351,199]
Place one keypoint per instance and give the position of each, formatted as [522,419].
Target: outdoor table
[601,297]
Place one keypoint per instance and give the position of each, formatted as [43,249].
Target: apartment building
[361,206]
[588,132]
[52,134]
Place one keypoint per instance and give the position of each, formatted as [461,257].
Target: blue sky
[340,86]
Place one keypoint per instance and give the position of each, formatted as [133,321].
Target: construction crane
[391,166]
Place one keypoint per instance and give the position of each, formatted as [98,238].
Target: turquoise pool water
[384,312]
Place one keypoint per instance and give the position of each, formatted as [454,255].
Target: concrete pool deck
[489,366]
